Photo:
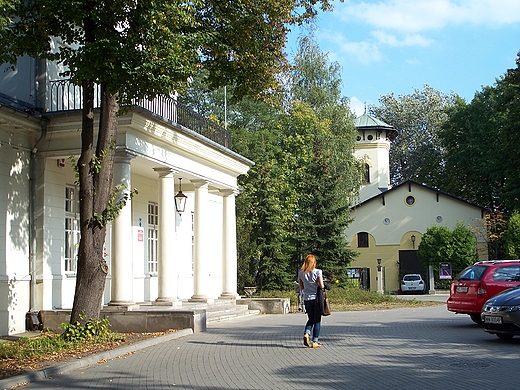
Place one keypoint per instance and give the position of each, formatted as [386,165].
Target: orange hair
[309,264]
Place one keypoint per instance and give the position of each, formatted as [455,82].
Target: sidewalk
[410,348]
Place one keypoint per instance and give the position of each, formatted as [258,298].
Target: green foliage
[93,328]
[439,244]
[118,199]
[416,153]
[295,199]
[140,49]
[481,146]
[319,137]
[512,241]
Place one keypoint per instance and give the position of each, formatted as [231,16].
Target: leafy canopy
[143,48]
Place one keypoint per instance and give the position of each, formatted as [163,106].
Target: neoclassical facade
[155,253]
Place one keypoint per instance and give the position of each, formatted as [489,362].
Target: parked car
[413,283]
[501,314]
[477,283]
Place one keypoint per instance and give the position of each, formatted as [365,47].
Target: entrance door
[409,263]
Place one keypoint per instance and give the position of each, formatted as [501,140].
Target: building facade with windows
[155,254]
[389,222]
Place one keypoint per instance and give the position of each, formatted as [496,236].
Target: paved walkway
[418,348]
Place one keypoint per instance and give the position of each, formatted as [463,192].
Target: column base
[167,302]
[229,296]
[201,299]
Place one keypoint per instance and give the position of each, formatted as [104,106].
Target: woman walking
[310,279]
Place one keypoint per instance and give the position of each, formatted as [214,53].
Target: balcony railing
[65,96]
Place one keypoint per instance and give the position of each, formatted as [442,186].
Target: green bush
[94,327]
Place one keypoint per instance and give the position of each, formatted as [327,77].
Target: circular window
[386,221]
[359,138]
[438,219]
[370,137]
[410,200]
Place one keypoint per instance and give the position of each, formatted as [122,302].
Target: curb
[49,372]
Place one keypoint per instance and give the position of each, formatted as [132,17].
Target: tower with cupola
[373,150]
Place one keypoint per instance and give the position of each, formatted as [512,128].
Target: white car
[413,283]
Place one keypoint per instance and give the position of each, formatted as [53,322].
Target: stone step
[221,312]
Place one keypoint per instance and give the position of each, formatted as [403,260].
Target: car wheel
[504,336]
[476,318]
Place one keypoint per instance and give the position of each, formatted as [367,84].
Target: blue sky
[386,46]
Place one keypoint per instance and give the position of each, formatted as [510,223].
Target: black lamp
[412,237]
[180,199]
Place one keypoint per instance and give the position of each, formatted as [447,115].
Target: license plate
[461,289]
[492,319]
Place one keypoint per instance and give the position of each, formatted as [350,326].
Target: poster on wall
[445,271]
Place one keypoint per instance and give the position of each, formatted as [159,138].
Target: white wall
[14,232]
[55,287]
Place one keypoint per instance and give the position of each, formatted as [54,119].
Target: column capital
[229,191]
[199,183]
[165,171]
[124,156]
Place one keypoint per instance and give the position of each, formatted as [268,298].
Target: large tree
[296,199]
[141,49]
[329,178]
[481,146]
[417,152]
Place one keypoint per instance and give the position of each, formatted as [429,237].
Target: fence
[65,96]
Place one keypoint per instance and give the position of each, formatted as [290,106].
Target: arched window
[362,240]
[367,173]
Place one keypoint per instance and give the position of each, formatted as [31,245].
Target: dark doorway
[409,263]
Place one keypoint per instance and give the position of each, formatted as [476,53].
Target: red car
[479,282]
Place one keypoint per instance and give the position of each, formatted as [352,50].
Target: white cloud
[422,15]
[357,106]
[408,40]
[364,52]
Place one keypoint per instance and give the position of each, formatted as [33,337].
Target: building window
[152,237]
[410,200]
[367,173]
[362,240]
[72,232]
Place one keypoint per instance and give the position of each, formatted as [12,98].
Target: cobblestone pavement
[414,348]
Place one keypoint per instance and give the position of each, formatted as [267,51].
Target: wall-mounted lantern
[412,237]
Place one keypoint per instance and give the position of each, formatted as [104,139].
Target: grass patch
[353,299]
[27,353]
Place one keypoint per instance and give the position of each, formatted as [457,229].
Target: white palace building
[155,254]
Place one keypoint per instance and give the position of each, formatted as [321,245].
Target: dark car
[477,283]
[501,314]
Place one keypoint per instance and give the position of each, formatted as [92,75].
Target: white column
[201,244]
[167,281]
[229,246]
[122,267]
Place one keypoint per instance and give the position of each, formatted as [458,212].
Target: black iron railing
[65,96]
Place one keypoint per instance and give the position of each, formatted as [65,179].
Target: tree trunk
[95,178]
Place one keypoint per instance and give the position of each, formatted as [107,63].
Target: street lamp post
[379,277]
